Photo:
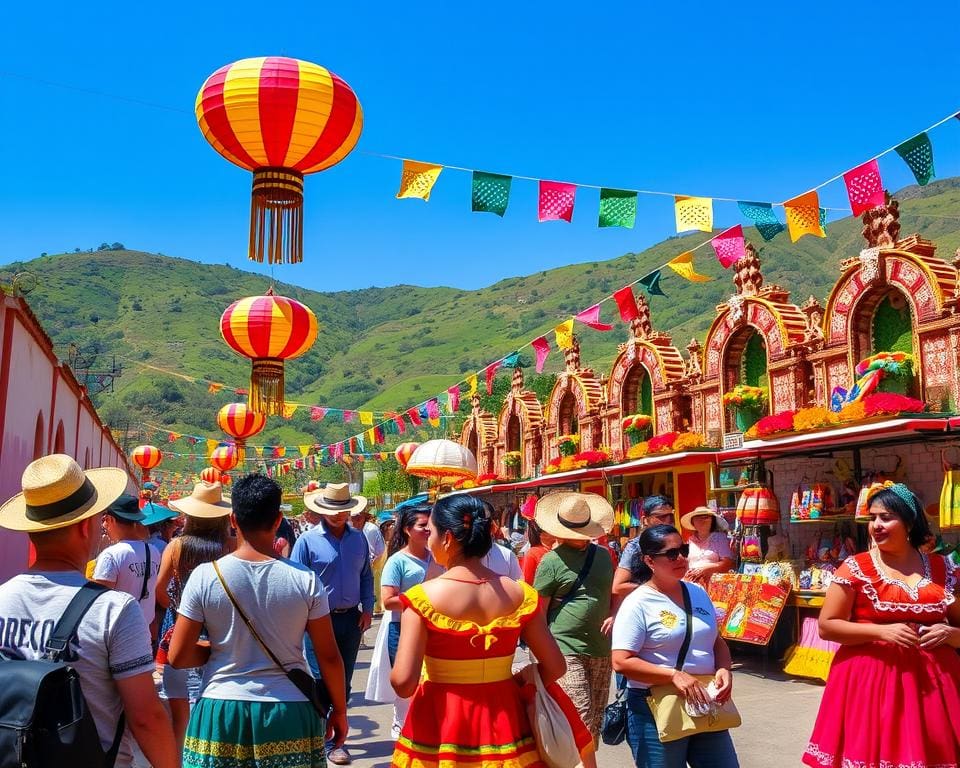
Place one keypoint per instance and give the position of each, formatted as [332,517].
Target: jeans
[393,641]
[702,750]
[346,630]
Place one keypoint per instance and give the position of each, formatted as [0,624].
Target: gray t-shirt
[124,564]
[278,597]
[112,641]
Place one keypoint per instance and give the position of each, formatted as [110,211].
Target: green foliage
[892,329]
[755,362]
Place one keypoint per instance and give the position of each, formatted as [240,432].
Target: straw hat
[57,493]
[569,515]
[334,499]
[206,501]
[687,520]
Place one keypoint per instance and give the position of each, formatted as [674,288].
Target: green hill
[388,348]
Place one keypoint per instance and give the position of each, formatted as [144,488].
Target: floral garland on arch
[669,442]
[582,460]
[818,417]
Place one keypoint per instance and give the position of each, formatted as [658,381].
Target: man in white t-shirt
[111,648]
[502,561]
[130,564]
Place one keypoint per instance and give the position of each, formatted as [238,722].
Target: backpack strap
[146,573]
[66,629]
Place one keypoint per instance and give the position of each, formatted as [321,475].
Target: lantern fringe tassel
[241,446]
[276,216]
[266,387]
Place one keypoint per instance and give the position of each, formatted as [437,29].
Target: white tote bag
[551,730]
[378,679]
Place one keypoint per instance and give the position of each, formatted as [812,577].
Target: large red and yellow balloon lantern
[240,422]
[146,457]
[268,329]
[280,118]
[224,458]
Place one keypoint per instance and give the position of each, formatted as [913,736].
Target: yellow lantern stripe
[212,118]
[340,132]
[241,97]
[314,105]
[238,326]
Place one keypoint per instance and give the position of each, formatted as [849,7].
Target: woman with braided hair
[893,693]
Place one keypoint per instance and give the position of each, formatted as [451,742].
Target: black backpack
[44,718]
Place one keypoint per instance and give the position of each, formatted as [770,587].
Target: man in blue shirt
[339,554]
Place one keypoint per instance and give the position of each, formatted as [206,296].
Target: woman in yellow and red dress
[893,693]
[457,643]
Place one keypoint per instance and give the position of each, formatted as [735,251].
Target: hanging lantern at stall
[210,475]
[280,118]
[224,458]
[146,457]
[268,329]
[240,422]
[443,462]
[403,453]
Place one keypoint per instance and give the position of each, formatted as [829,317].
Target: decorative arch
[38,433]
[479,435]
[519,426]
[578,395]
[58,440]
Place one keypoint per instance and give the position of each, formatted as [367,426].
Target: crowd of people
[233,641]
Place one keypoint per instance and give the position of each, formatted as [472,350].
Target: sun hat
[56,493]
[126,508]
[333,499]
[206,501]
[570,515]
[687,520]
[157,513]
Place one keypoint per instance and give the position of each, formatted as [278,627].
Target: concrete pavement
[778,714]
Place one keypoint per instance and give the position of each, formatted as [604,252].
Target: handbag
[613,728]
[314,690]
[667,705]
[551,729]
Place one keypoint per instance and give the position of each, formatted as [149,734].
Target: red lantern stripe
[215,124]
[346,120]
[313,106]
[279,90]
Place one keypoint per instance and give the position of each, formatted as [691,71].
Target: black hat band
[40,512]
[571,524]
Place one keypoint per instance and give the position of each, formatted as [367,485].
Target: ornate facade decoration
[576,405]
[520,428]
[645,378]
[479,434]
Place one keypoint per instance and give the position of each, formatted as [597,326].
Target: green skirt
[254,734]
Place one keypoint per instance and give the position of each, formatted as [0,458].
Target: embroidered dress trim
[870,590]
[417,599]
[826,760]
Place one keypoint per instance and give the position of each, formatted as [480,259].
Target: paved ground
[778,714]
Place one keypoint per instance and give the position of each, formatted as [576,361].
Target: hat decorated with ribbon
[56,493]
[570,515]
[333,499]
[206,501]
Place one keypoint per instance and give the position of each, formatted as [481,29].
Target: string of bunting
[490,193]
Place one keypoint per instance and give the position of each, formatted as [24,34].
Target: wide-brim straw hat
[687,520]
[333,499]
[57,492]
[206,501]
[570,515]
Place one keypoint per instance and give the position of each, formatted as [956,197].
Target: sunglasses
[672,554]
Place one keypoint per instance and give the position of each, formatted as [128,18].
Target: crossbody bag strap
[146,573]
[236,605]
[688,632]
[65,629]
[581,577]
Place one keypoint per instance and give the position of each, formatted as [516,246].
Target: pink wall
[34,384]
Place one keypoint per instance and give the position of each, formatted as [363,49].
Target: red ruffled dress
[468,710]
[886,706]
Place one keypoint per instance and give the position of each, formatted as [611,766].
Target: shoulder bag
[315,690]
[667,703]
[552,613]
[613,727]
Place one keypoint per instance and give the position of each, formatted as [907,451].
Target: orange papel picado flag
[417,179]
[564,334]
[683,266]
[693,213]
[803,216]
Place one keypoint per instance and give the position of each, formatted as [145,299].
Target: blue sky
[751,101]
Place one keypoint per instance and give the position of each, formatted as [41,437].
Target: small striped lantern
[210,475]
[146,457]
[281,118]
[403,453]
[224,458]
[268,329]
[240,422]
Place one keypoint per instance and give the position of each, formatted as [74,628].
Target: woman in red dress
[461,629]
[893,694]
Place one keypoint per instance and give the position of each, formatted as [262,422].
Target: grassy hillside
[387,348]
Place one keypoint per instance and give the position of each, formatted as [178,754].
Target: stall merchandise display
[810,656]
[748,607]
